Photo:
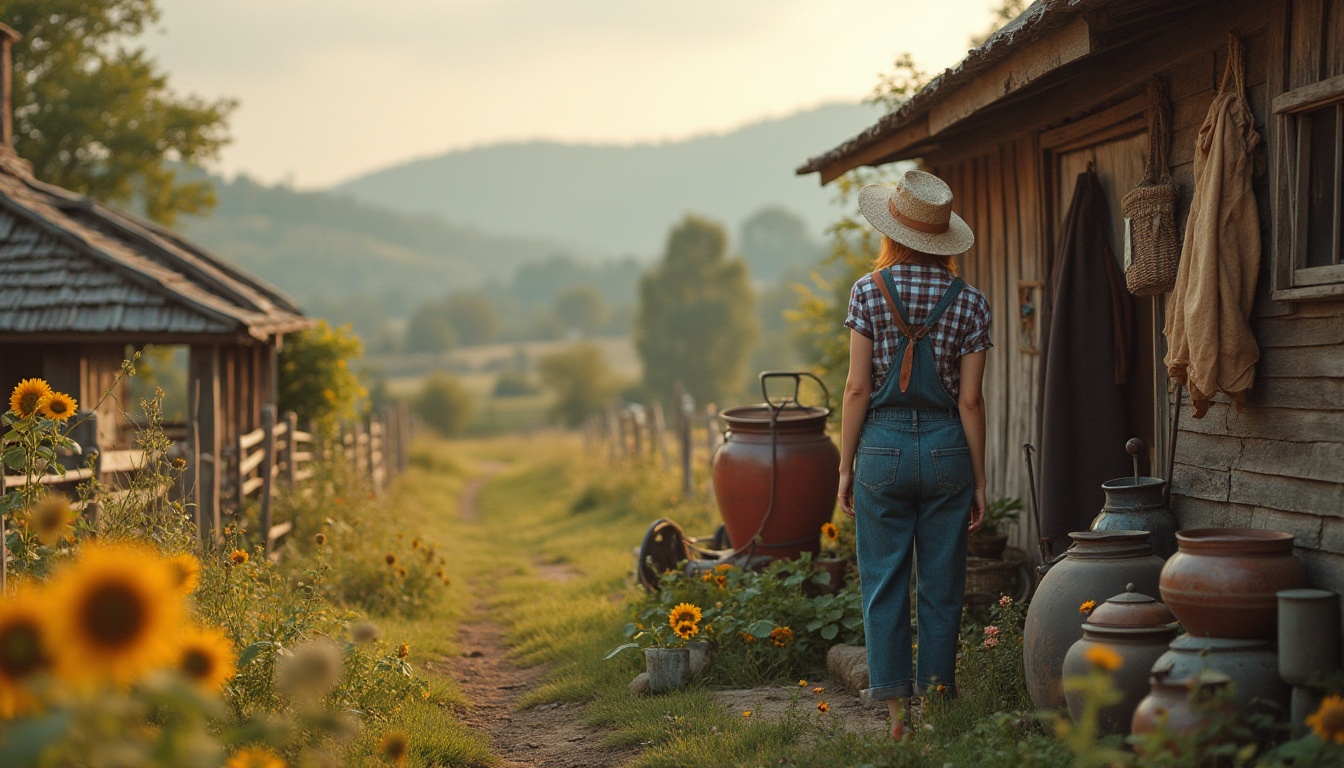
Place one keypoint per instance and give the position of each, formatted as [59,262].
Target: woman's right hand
[846,494]
[978,510]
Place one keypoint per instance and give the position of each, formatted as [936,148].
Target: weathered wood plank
[1068,43]
[1306,529]
[1202,483]
[1334,42]
[1309,96]
[879,152]
[1267,423]
[1288,494]
[1311,394]
[1300,363]
[1192,512]
[1210,451]
[1191,76]
[1309,461]
[1332,534]
[1304,59]
[1300,332]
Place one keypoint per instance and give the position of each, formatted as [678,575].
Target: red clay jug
[776,474]
[1222,581]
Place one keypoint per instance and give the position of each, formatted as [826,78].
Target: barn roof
[1023,57]
[70,265]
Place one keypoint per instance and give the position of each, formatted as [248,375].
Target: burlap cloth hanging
[1150,209]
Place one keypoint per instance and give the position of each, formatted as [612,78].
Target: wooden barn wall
[1279,463]
[998,194]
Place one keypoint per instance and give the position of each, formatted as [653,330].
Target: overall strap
[886,285]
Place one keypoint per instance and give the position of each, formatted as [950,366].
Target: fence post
[636,413]
[375,452]
[685,408]
[711,437]
[657,427]
[291,448]
[616,432]
[391,443]
[267,472]
[89,442]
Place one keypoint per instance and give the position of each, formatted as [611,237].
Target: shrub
[444,404]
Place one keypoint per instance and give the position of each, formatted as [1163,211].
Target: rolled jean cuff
[902,690]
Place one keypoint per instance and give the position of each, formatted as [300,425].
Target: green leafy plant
[1001,513]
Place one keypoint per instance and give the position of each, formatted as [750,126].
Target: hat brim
[873,204]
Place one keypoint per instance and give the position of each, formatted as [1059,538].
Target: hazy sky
[330,89]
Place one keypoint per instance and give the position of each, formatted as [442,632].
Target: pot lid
[1196,644]
[1130,610]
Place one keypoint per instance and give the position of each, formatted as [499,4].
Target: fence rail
[636,432]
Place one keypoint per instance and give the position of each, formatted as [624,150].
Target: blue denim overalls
[912,494]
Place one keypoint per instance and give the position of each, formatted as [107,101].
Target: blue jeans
[912,497]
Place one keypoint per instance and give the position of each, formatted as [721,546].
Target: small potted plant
[990,540]
[833,558]
[667,659]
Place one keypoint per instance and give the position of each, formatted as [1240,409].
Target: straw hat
[917,213]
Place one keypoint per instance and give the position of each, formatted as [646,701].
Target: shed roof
[1023,57]
[70,265]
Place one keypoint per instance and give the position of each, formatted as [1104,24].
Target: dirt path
[550,735]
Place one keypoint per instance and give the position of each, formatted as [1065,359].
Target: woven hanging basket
[1154,243]
[1155,246]
[985,576]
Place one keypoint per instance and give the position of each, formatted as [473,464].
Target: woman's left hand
[846,494]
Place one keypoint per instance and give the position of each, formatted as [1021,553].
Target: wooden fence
[635,432]
[278,455]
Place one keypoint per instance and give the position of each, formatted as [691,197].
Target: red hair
[893,252]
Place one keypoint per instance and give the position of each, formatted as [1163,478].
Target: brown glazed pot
[806,476]
[1175,698]
[1252,665]
[1098,564]
[1138,628]
[1222,581]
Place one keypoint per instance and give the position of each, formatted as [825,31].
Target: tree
[444,404]
[430,330]
[694,323]
[93,113]
[774,242]
[1004,12]
[316,380]
[582,309]
[581,380]
[473,318]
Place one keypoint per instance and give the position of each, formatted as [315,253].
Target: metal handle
[797,377]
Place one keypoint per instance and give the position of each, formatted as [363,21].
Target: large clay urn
[1139,504]
[1252,665]
[1222,581]
[794,482]
[1137,628]
[1099,564]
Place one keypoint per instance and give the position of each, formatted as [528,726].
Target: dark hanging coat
[1085,367]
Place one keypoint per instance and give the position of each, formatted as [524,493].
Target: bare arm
[858,388]
[971,405]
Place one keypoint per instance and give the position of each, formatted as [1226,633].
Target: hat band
[916,224]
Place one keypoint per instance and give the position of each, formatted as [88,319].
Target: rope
[1159,107]
[1236,66]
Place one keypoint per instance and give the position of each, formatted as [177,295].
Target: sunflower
[186,570]
[823,707]
[238,557]
[25,398]
[686,630]
[115,612]
[781,636]
[393,746]
[52,520]
[24,654]
[403,650]
[57,406]
[1104,657]
[255,757]
[683,612]
[1328,721]
[830,532]
[205,657]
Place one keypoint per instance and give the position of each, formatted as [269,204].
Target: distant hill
[619,200]
[316,245]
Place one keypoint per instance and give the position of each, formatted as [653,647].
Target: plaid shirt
[963,329]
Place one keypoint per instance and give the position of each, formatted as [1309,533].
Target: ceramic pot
[1139,504]
[669,668]
[1138,628]
[1252,665]
[1098,564]
[1222,581]
[1308,634]
[988,546]
[1176,699]
[803,467]
[833,567]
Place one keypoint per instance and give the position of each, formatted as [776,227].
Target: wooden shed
[1063,87]
[81,284]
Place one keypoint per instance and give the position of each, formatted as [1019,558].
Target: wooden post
[636,414]
[92,448]
[391,445]
[267,472]
[203,366]
[685,408]
[616,433]
[657,427]
[712,436]
[291,448]
[375,452]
